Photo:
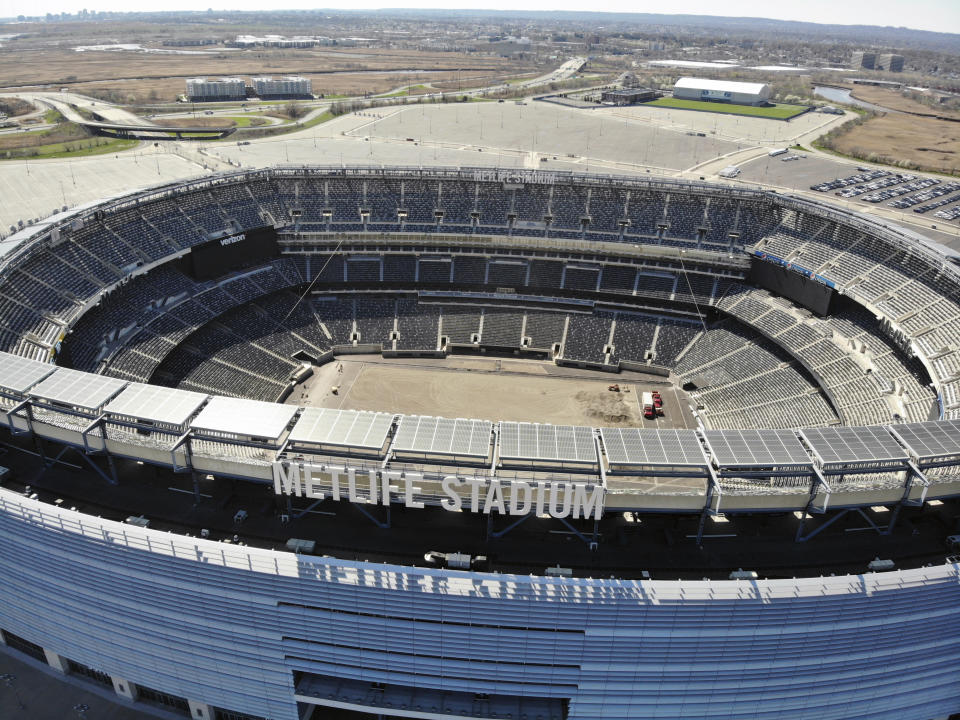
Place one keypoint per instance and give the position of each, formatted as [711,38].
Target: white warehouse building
[227,88]
[739,93]
[289,86]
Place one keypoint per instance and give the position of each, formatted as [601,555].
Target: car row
[851,180]
[949,214]
[899,190]
[940,190]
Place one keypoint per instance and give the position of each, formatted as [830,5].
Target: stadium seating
[84,284]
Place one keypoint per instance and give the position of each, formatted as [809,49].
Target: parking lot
[888,193]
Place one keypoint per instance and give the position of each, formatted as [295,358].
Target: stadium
[382,441]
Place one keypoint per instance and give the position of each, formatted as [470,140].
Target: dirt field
[487,389]
[927,142]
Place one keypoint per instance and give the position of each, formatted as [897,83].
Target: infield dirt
[490,389]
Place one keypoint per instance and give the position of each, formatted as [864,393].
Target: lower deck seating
[738,379]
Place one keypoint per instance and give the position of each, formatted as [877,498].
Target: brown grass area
[14,107]
[146,91]
[61,133]
[197,122]
[927,143]
[895,100]
[485,80]
[143,76]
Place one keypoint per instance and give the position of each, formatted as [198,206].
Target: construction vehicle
[657,400]
[613,388]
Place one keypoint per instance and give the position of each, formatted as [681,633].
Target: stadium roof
[253,418]
[693,83]
[418,433]
[757,448]
[930,440]
[20,373]
[839,445]
[77,389]
[155,403]
[345,428]
[663,448]
[533,441]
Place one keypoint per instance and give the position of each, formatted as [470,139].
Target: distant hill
[865,34]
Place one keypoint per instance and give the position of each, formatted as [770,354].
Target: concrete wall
[226,625]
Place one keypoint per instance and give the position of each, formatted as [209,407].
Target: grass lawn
[71,149]
[247,120]
[273,130]
[409,90]
[777,111]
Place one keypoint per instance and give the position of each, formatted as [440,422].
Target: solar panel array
[533,441]
[78,389]
[235,416]
[757,448]
[347,428]
[931,439]
[421,433]
[156,404]
[638,446]
[20,373]
[853,444]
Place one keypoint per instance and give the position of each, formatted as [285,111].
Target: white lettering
[311,484]
[486,495]
[494,498]
[231,240]
[352,487]
[555,489]
[335,484]
[409,489]
[286,480]
[586,507]
[474,484]
[541,498]
[453,501]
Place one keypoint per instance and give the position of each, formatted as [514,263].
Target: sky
[937,15]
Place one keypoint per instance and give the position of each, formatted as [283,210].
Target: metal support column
[913,473]
[500,533]
[713,484]
[384,525]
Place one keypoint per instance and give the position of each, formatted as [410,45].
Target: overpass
[153,132]
[113,121]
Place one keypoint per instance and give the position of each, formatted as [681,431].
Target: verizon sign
[455,493]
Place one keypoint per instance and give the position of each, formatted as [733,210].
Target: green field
[70,149]
[777,111]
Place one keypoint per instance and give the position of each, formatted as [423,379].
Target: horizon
[939,16]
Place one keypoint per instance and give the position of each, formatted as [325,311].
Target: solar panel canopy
[78,389]
[757,448]
[639,446]
[533,441]
[930,439]
[444,436]
[347,428]
[156,404]
[234,416]
[19,374]
[853,444]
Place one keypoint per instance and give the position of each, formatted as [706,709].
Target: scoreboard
[220,255]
